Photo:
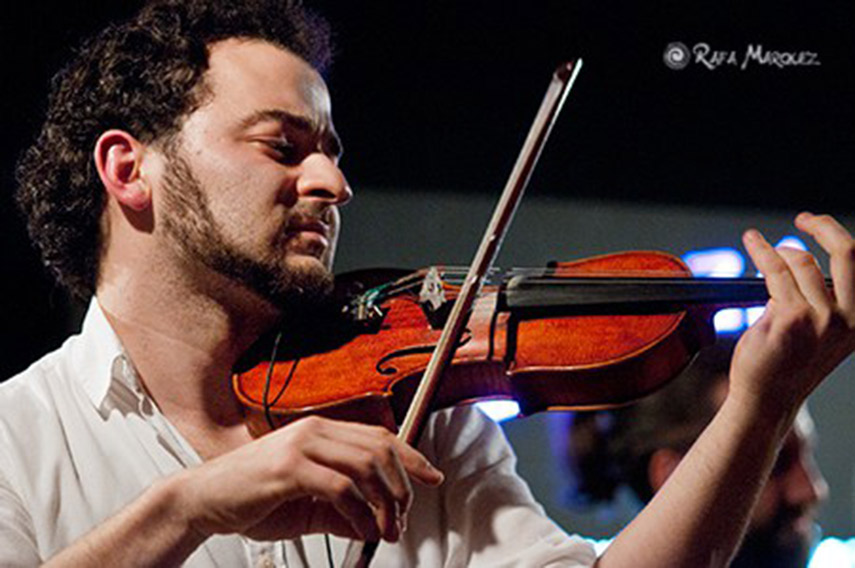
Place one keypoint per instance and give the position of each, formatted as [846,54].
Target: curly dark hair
[142,76]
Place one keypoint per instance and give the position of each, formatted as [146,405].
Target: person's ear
[662,464]
[118,159]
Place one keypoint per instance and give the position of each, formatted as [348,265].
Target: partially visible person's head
[144,77]
[638,447]
[783,526]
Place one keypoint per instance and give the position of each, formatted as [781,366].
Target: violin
[592,333]
[397,345]
[583,334]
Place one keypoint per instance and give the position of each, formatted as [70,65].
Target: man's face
[783,527]
[251,184]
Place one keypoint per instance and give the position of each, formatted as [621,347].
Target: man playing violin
[187,179]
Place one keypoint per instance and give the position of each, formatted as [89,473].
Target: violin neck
[594,295]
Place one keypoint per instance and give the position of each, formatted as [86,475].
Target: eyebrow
[331,143]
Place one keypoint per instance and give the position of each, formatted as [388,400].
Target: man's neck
[184,346]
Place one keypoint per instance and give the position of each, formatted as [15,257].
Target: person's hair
[609,449]
[143,76]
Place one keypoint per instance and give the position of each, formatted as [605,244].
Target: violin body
[600,360]
[369,371]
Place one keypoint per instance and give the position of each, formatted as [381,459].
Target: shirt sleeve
[17,540]
[492,517]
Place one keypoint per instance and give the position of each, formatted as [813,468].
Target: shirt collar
[100,357]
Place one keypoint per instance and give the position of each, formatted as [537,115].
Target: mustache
[312,214]
[787,516]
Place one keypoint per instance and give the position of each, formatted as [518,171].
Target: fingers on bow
[364,473]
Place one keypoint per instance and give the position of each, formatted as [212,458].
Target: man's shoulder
[38,409]
[78,370]
[33,392]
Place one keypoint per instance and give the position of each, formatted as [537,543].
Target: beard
[189,224]
[776,545]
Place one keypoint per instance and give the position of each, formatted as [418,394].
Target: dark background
[438,95]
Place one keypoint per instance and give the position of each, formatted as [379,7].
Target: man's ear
[662,464]
[118,158]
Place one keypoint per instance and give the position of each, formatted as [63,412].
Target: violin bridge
[432,299]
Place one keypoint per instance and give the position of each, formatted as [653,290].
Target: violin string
[454,275]
[411,283]
[479,309]
[646,278]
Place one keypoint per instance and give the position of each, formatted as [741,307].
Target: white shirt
[79,440]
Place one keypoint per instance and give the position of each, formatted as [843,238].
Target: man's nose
[805,484]
[321,178]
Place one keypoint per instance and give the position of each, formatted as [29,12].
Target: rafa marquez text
[678,56]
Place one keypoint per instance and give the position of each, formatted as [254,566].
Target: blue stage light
[499,410]
[724,262]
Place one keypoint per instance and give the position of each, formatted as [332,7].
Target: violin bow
[359,554]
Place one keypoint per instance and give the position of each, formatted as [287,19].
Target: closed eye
[283,150]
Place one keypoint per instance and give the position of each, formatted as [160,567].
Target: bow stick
[359,554]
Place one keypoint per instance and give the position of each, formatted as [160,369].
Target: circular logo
[677,55]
